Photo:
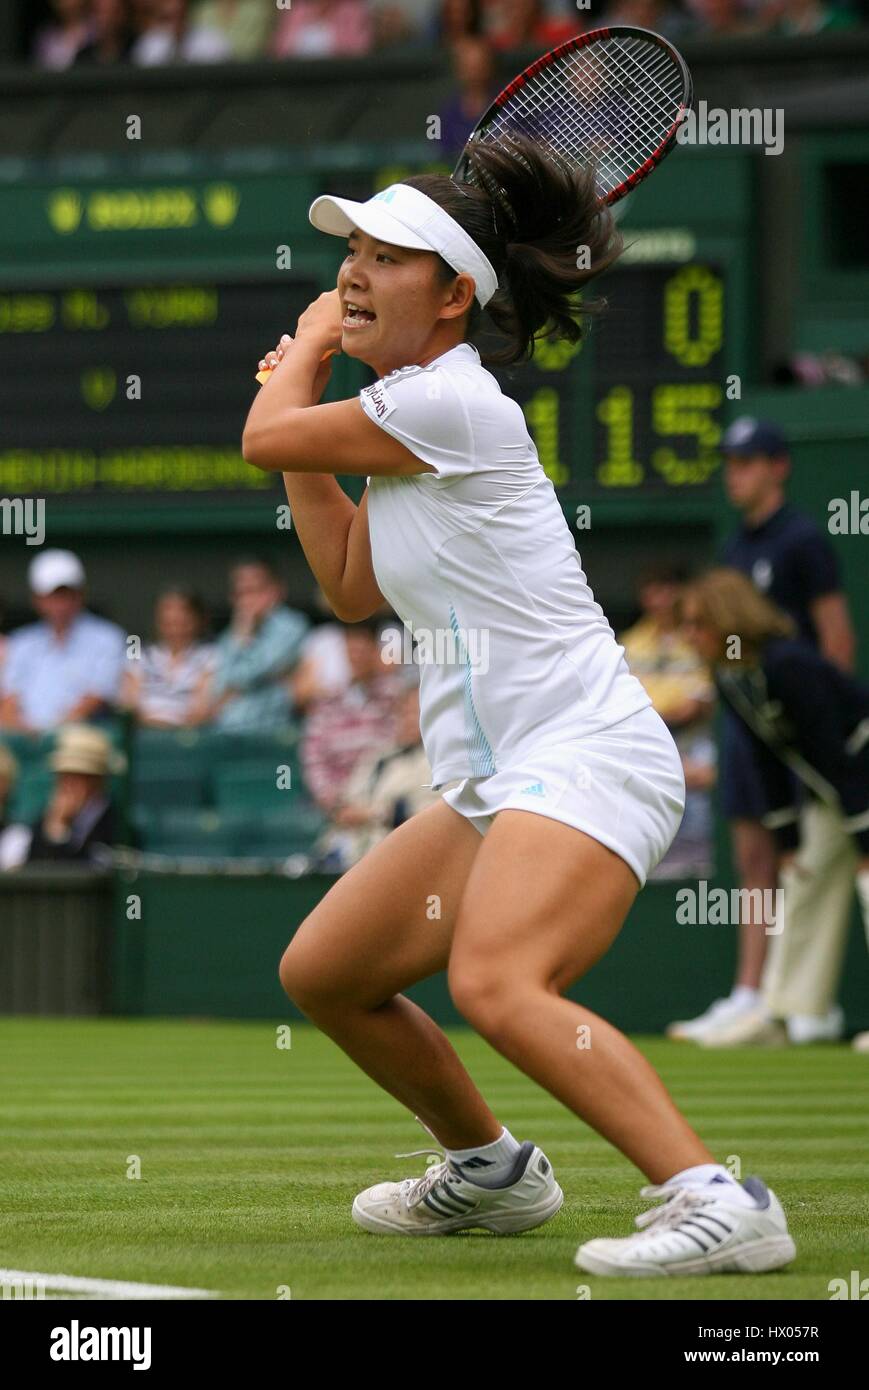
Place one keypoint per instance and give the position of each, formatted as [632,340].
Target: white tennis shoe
[720,1012]
[698,1230]
[443,1201]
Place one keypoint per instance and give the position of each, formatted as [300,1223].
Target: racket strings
[612,103]
[574,131]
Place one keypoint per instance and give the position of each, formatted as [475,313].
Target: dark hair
[255,562]
[662,572]
[529,214]
[193,601]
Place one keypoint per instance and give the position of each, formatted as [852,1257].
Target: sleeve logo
[380,399]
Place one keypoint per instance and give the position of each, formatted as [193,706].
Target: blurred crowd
[70,672]
[147,33]
[275,666]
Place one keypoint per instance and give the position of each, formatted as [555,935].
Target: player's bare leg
[385,924]
[543,903]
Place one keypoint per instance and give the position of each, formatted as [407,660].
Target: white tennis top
[478,561]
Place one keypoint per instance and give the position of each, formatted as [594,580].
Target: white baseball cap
[55,569]
[403,216]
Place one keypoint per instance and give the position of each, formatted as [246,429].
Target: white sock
[705,1173]
[489,1164]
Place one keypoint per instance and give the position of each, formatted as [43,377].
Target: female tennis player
[569,787]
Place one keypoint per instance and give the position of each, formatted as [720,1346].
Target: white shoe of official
[860,1042]
[443,1201]
[811,1028]
[754,1029]
[719,1012]
[697,1230]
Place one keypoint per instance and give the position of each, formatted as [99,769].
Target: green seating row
[211,833]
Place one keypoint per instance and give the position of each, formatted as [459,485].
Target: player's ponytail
[546,233]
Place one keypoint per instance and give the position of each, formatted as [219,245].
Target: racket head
[613,98]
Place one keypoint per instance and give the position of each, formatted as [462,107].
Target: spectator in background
[323,29]
[168,35]
[800,712]
[812,17]
[4,642]
[56,45]
[385,790]
[324,667]
[523,23]
[453,20]
[249,687]
[683,694]
[394,22]
[660,656]
[782,550]
[343,729]
[690,855]
[8,778]
[68,665]
[790,560]
[79,814]
[163,688]
[246,25]
[721,19]
[474,68]
[113,35]
[657,15]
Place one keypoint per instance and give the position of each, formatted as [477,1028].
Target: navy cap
[748,436]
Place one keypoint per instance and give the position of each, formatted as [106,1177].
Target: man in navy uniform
[789,558]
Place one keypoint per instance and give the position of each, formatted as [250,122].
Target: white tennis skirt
[623,786]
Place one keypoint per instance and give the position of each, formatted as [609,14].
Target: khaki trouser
[804,961]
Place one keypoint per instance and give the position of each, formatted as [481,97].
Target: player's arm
[332,530]
[334,438]
[285,433]
[834,628]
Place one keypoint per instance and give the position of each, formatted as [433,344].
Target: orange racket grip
[263,376]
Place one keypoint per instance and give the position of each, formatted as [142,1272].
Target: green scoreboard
[637,407]
[133,314]
[137,390]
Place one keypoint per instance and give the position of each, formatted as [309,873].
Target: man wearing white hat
[68,665]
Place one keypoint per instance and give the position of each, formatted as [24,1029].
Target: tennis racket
[614,98]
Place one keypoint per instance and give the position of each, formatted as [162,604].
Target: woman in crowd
[163,687]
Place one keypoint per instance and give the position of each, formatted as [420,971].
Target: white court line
[99,1288]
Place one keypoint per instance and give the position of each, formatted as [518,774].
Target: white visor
[402,216]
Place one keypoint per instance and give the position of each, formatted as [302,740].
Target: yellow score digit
[541,413]
[619,467]
[690,345]
[26,313]
[83,309]
[686,410]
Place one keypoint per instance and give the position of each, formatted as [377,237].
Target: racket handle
[263,376]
